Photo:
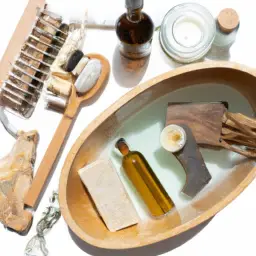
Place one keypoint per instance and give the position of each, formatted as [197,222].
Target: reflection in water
[142,132]
[127,72]
[166,159]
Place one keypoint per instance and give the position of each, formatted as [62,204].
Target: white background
[231,232]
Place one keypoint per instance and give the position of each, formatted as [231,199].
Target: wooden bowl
[76,205]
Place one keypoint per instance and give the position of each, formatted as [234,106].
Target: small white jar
[227,25]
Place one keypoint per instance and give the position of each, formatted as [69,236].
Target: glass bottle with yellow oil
[145,180]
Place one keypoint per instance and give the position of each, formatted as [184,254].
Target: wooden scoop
[75,102]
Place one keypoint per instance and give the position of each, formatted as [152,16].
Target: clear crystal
[36,247]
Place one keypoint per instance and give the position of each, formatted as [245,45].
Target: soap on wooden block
[109,195]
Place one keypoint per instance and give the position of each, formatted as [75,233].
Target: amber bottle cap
[228,20]
[122,146]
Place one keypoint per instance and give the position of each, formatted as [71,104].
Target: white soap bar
[109,195]
[89,76]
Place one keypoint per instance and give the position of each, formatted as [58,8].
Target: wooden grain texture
[76,205]
[213,125]
[47,163]
[204,119]
[21,32]
[239,129]
[52,152]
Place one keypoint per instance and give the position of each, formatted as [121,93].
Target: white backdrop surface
[231,232]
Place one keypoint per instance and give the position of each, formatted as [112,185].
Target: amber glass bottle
[145,181]
[135,29]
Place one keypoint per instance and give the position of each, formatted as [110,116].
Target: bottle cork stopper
[228,20]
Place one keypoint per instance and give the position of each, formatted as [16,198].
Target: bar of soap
[89,76]
[109,195]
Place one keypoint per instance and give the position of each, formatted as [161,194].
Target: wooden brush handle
[47,163]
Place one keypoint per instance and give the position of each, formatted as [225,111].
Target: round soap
[73,60]
[228,20]
[89,76]
[173,138]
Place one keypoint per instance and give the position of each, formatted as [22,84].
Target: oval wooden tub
[76,205]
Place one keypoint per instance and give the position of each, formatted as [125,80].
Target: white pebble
[89,76]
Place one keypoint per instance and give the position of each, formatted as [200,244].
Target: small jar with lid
[227,25]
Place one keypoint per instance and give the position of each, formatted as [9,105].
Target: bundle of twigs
[239,130]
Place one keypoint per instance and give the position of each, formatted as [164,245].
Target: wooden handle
[47,163]
[23,29]
[38,185]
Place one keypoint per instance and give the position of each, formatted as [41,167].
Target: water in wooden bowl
[139,117]
[142,132]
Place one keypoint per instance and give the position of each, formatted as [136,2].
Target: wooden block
[204,119]
[109,195]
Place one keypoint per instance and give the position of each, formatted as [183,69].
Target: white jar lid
[173,138]
[187,32]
